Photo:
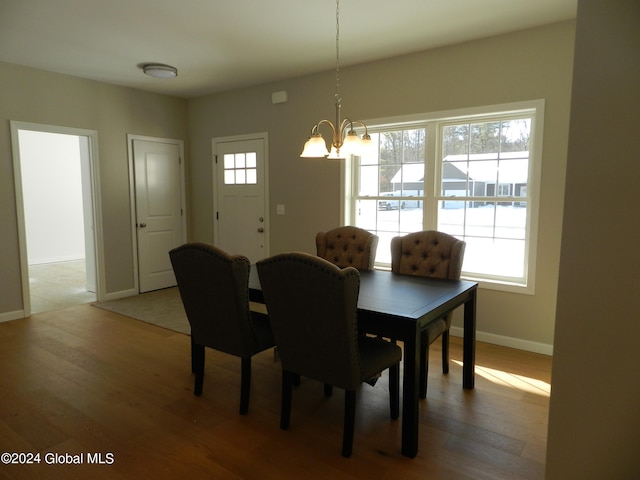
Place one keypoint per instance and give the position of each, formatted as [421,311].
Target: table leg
[469,342]
[410,401]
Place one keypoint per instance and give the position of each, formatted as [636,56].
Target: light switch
[280,209]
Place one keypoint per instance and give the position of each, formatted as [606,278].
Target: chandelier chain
[338,99]
[344,139]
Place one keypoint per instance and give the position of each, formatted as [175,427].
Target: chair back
[214,287]
[312,306]
[348,247]
[429,254]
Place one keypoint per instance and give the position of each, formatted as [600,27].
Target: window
[391,194]
[240,168]
[471,174]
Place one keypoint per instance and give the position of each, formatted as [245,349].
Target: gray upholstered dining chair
[312,306]
[214,287]
[348,246]
[430,254]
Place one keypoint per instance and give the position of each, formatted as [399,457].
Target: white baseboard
[510,342]
[8,316]
[501,340]
[63,259]
[121,294]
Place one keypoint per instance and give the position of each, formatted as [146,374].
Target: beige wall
[527,65]
[594,421]
[532,64]
[29,95]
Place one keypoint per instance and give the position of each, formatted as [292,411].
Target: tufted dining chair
[312,305]
[429,254]
[348,246]
[214,287]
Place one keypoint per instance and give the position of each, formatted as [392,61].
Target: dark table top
[407,296]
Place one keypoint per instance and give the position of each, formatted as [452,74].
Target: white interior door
[241,220]
[159,210]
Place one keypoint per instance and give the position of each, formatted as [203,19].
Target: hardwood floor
[85,381]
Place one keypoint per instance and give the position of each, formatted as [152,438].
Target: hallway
[58,285]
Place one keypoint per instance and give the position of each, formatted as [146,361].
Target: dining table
[400,307]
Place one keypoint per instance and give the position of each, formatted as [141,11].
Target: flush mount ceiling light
[159,70]
[345,140]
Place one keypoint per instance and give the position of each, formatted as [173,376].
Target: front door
[158,209]
[240,215]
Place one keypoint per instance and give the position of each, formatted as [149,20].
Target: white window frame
[431,121]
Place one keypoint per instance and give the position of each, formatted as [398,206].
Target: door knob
[260,230]
[142,225]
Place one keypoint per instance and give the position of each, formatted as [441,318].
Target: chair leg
[424,366]
[349,422]
[197,365]
[394,391]
[285,407]
[193,359]
[445,352]
[328,390]
[245,385]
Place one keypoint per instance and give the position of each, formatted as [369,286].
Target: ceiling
[220,45]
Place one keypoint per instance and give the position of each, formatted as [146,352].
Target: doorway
[54,179]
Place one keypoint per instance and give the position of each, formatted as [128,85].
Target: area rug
[161,307]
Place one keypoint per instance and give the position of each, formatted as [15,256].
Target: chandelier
[344,139]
